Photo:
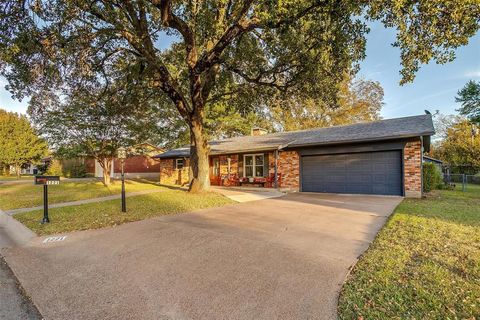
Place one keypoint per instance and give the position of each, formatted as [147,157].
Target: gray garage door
[367,173]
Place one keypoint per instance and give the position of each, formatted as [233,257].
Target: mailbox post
[122,155]
[45,181]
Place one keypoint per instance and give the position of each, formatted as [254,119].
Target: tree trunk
[199,152]
[17,171]
[106,165]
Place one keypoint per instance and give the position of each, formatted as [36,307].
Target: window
[178,163]
[216,167]
[253,165]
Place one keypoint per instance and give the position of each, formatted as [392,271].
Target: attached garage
[377,172]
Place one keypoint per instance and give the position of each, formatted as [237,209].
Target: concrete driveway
[281,258]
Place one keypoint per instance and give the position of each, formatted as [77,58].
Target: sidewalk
[80,202]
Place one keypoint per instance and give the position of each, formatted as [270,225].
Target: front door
[215,177]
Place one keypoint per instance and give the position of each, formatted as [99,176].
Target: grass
[424,264]
[28,195]
[107,213]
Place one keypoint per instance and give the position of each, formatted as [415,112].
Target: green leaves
[19,142]
[427,30]
[460,147]
[240,53]
[469,97]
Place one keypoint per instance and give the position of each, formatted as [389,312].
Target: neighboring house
[28,168]
[380,157]
[436,162]
[140,163]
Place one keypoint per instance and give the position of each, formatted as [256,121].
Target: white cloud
[473,74]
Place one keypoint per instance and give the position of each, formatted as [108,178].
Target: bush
[42,168]
[432,178]
[73,168]
[54,169]
[77,171]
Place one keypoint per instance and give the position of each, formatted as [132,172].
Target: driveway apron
[279,258]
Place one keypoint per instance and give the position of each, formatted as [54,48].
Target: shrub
[476,178]
[55,168]
[42,168]
[73,168]
[78,171]
[432,178]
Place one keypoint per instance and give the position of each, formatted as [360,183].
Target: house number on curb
[54,239]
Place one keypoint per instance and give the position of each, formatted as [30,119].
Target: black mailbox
[47,180]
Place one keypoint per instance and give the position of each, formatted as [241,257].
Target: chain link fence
[462,181]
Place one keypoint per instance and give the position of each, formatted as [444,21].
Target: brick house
[381,157]
[140,163]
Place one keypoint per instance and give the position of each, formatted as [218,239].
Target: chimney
[256,131]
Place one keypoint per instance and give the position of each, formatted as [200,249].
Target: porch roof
[398,128]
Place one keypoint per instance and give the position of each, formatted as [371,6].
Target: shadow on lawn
[446,205]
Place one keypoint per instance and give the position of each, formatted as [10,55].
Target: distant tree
[460,145]
[243,49]
[469,97]
[93,122]
[19,142]
[358,101]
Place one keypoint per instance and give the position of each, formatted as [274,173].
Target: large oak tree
[224,48]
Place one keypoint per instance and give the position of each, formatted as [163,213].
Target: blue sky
[434,88]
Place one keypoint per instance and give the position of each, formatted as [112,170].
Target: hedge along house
[381,157]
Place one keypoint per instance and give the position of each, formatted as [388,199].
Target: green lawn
[424,264]
[108,213]
[28,195]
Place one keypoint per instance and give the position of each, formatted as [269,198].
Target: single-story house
[380,157]
[29,168]
[140,163]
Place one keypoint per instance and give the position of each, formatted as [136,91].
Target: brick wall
[137,164]
[134,164]
[289,167]
[90,165]
[412,160]
[171,176]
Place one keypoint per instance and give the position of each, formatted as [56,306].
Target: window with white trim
[253,165]
[179,163]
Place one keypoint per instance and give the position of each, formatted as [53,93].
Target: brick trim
[412,168]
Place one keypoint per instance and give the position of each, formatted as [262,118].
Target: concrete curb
[14,230]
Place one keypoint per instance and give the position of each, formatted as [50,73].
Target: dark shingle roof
[361,132]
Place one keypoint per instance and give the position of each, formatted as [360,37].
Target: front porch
[245,170]
[258,169]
